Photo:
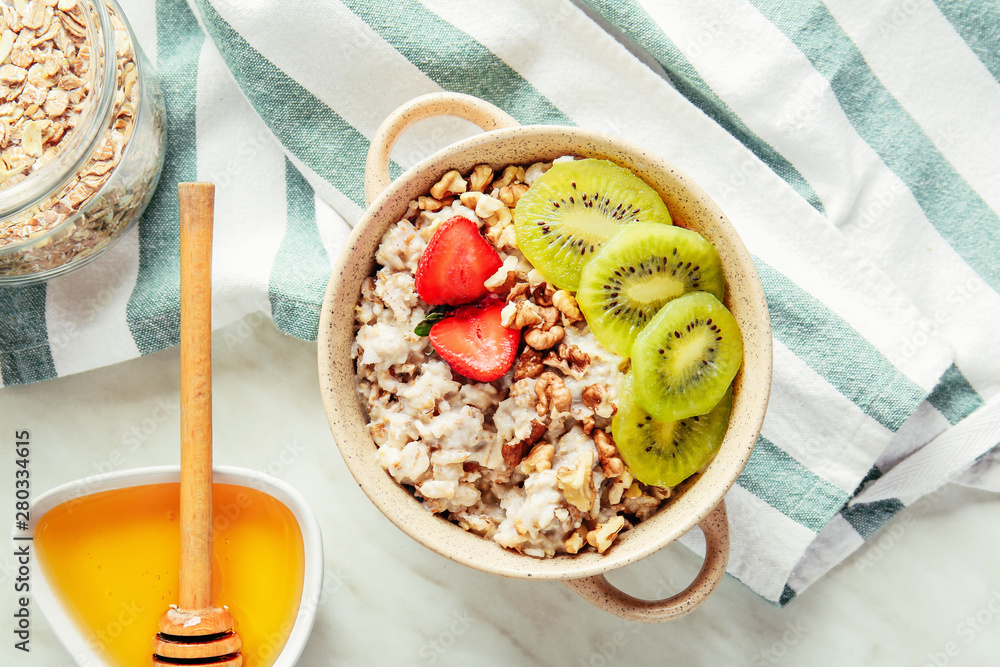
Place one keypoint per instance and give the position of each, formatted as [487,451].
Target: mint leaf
[433,317]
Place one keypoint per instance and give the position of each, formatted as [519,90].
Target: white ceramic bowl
[312,541]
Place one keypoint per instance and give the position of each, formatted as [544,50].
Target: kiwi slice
[639,269]
[666,453]
[570,210]
[686,357]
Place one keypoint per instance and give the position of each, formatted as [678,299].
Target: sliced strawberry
[474,343]
[455,264]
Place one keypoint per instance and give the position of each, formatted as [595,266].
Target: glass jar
[81,134]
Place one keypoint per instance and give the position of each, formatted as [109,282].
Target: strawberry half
[474,343]
[455,264]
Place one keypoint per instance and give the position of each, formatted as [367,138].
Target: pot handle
[472,109]
[598,591]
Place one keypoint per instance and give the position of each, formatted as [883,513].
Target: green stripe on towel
[415,32]
[954,209]
[639,26]
[837,352]
[789,487]
[306,127]
[153,309]
[978,23]
[301,268]
[868,518]
[954,397]
[24,344]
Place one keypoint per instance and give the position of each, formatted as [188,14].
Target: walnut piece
[552,393]
[529,364]
[577,484]
[593,394]
[605,533]
[566,303]
[619,487]
[513,451]
[480,177]
[642,506]
[510,194]
[597,397]
[520,314]
[607,453]
[504,278]
[510,174]
[539,459]
[451,183]
[483,205]
[429,203]
[542,294]
[570,359]
[518,292]
[576,541]
[543,340]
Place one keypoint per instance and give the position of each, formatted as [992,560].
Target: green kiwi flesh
[666,453]
[686,357]
[573,208]
[638,270]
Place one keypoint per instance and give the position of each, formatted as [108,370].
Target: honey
[113,558]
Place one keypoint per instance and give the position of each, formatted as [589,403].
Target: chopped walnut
[576,540]
[513,452]
[598,398]
[510,194]
[542,294]
[550,317]
[588,423]
[660,492]
[642,506]
[577,484]
[518,292]
[536,170]
[543,340]
[510,174]
[539,459]
[593,395]
[529,364]
[607,453]
[605,533]
[520,314]
[570,359]
[483,205]
[618,488]
[480,177]
[429,204]
[451,183]
[499,227]
[566,303]
[551,392]
[504,278]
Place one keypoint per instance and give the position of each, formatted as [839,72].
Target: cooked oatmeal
[527,460]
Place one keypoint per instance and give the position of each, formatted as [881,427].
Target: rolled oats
[541,473]
[50,84]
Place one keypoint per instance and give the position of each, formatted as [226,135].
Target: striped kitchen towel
[852,143]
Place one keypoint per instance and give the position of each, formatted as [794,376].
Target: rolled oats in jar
[81,134]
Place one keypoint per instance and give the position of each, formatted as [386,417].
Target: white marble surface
[389,601]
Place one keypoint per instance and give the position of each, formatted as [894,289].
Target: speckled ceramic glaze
[697,503]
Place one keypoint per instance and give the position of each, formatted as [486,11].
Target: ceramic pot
[76,640]
[699,502]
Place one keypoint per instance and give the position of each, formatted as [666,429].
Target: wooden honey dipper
[194,632]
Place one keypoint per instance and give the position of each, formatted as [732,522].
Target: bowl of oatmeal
[506,463]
